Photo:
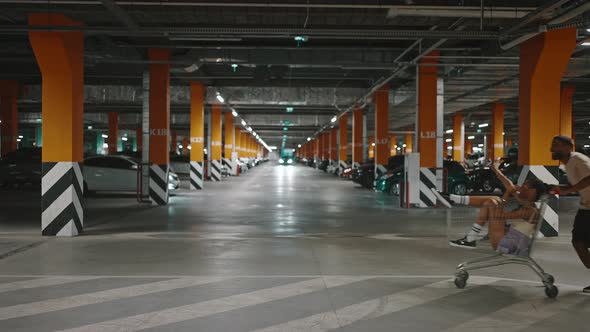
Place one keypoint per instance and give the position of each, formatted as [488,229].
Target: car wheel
[487,186]
[459,189]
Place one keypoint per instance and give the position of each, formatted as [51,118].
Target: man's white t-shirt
[577,168]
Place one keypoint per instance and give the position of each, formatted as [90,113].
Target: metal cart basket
[459,221]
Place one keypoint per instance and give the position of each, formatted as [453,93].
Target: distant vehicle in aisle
[20,167]
[117,173]
[287,157]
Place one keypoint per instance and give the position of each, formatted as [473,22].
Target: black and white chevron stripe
[356,165]
[427,183]
[196,174]
[341,166]
[159,184]
[215,170]
[62,188]
[547,174]
[229,164]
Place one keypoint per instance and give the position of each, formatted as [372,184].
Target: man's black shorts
[581,231]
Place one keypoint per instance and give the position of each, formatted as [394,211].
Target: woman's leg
[473,200]
[485,213]
[497,226]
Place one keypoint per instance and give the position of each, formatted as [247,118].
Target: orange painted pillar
[9,116]
[244,144]
[409,143]
[497,137]
[458,138]
[316,150]
[139,139]
[381,150]
[566,119]
[113,132]
[215,142]
[60,56]
[320,139]
[509,142]
[371,147]
[197,135]
[238,142]
[333,146]
[343,143]
[543,60]
[427,114]
[185,143]
[159,125]
[357,138]
[229,148]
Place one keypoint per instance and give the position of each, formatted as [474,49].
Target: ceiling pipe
[459,11]
[556,23]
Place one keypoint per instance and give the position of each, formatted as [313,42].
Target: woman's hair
[540,187]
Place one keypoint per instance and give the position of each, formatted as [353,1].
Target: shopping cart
[512,249]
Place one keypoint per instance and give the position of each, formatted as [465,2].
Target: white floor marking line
[521,315]
[35,308]
[371,309]
[42,282]
[202,309]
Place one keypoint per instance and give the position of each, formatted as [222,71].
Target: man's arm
[583,184]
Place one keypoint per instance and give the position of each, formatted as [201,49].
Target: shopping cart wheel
[548,279]
[462,274]
[460,282]
[551,291]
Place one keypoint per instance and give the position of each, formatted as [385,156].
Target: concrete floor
[279,249]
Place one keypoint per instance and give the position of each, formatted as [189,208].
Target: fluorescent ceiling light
[105,136]
[298,145]
[404,145]
[586,44]
[191,68]
[470,137]
[234,113]
[449,131]
[124,138]
[448,140]
[587,146]
[249,129]
[89,127]
[309,139]
[334,119]
[480,145]
[372,144]
[220,98]
[483,125]
[243,123]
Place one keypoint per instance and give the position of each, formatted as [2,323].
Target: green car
[457,180]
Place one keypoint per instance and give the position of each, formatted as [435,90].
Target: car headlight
[281,161]
[290,161]
[170,177]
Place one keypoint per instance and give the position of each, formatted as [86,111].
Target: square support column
[215,152]
[357,138]
[159,125]
[566,118]
[197,136]
[60,56]
[228,146]
[543,60]
[342,143]
[497,137]
[458,138]
[113,132]
[381,149]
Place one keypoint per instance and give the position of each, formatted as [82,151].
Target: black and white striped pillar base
[196,175]
[341,166]
[427,183]
[547,174]
[229,165]
[62,187]
[215,170]
[159,184]
[356,165]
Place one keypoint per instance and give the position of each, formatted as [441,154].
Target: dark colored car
[323,165]
[21,167]
[457,181]
[484,179]
[364,175]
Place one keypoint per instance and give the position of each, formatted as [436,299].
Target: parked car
[323,165]
[484,179]
[180,163]
[117,173]
[21,167]
[457,181]
[364,175]
[347,173]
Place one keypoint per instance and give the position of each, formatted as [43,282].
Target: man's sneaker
[586,290]
[463,243]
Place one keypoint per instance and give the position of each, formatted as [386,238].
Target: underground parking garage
[294,165]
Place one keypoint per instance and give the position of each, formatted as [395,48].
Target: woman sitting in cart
[495,210]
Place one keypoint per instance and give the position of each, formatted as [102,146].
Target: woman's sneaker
[463,243]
